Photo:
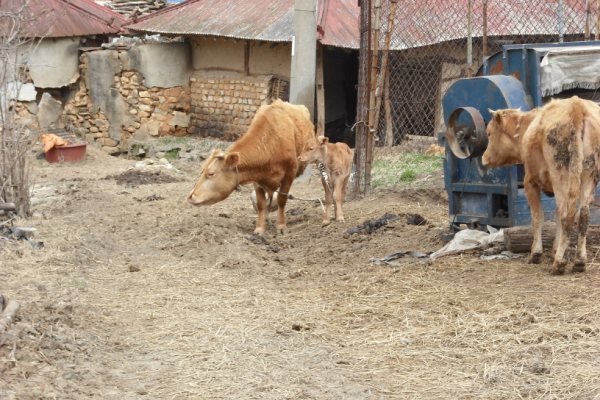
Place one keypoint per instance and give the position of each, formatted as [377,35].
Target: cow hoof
[340,219]
[558,268]
[325,222]
[281,228]
[535,258]
[579,266]
[259,231]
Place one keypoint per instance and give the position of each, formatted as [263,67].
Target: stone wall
[223,105]
[150,111]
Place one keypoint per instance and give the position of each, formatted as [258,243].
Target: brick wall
[223,106]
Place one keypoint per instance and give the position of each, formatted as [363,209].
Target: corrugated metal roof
[339,23]
[425,23]
[63,18]
[268,20]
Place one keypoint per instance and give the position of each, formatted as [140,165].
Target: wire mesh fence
[413,50]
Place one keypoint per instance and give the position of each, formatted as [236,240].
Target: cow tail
[576,164]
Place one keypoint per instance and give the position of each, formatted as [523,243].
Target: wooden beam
[320,92]
[247,58]
[8,207]
[519,239]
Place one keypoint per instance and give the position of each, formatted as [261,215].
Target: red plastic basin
[68,153]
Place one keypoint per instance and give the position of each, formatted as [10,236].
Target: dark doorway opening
[340,77]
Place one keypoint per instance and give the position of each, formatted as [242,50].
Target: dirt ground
[137,295]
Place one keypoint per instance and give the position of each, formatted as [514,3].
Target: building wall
[53,63]
[224,98]
[162,65]
[218,54]
[114,99]
[228,55]
[271,59]
[223,105]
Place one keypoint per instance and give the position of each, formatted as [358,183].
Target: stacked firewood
[135,8]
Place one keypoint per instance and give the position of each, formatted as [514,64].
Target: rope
[312,200]
[292,197]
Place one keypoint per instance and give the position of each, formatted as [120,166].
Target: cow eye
[210,174]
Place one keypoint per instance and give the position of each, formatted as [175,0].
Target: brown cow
[336,162]
[559,146]
[266,155]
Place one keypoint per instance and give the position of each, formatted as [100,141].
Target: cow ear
[496,116]
[232,159]
[323,140]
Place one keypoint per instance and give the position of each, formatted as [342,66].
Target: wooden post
[470,38]
[485,31]
[383,72]
[247,58]
[597,36]
[320,92]
[588,16]
[389,123]
[372,84]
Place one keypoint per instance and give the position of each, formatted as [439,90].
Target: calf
[335,162]
[559,146]
[266,156]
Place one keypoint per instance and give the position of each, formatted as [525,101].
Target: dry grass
[161,300]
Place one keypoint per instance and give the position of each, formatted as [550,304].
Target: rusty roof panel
[62,18]
[339,23]
[268,20]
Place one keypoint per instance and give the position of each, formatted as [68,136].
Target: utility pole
[304,55]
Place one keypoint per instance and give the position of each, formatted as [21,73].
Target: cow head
[503,132]
[218,178]
[314,150]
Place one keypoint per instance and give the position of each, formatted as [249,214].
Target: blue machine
[511,78]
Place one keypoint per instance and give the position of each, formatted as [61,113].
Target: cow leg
[338,197]
[261,206]
[328,202]
[532,191]
[345,186]
[282,196]
[566,208]
[588,187]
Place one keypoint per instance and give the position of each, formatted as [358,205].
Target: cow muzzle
[191,199]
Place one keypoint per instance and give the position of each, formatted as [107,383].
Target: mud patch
[562,138]
[134,178]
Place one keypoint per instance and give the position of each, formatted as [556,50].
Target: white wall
[54,63]
[162,65]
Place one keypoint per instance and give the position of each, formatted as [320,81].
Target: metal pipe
[485,31]
[561,21]
[469,38]
[588,15]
